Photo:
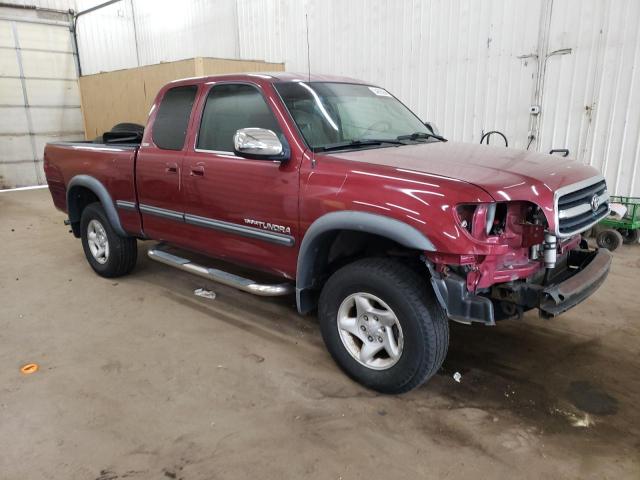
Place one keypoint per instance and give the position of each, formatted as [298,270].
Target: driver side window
[230,107]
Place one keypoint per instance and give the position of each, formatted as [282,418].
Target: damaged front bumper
[587,271]
[578,274]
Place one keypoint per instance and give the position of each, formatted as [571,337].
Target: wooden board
[126,95]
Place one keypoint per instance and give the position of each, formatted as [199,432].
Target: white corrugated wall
[39,96]
[469,66]
[60,5]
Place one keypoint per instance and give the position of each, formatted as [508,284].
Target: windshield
[345,115]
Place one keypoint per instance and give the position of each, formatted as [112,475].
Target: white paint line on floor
[34,187]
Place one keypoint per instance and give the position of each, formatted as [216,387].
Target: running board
[229,279]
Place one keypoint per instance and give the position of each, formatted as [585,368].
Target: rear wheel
[109,254]
[609,239]
[382,325]
[629,236]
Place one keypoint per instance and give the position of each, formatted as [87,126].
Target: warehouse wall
[39,99]
[60,5]
[469,66]
[472,67]
[134,33]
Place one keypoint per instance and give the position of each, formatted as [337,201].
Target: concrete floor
[141,379]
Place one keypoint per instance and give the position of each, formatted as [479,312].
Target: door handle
[171,168]
[197,170]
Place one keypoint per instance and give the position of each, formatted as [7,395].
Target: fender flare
[387,227]
[101,192]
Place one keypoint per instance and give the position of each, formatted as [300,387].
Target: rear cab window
[228,108]
[172,120]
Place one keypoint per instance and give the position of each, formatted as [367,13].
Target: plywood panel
[127,95]
[155,77]
[212,66]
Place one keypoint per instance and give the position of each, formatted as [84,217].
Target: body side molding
[161,212]
[101,192]
[220,225]
[387,227]
[126,205]
[243,231]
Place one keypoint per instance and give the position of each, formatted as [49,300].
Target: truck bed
[112,164]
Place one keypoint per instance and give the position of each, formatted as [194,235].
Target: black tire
[424,325]
[123,251]
[609,239]
[128,127]
[629,236]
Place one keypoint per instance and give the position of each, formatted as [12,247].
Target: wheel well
[77,200]
[348,246]
[337,248]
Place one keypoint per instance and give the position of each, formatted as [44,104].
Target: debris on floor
[576,419]
[202,292]
[255,357]
[29,368]
[457,377]
[583,422]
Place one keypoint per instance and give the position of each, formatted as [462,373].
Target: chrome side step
[229,279]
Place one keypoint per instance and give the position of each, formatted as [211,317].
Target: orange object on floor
[29,368]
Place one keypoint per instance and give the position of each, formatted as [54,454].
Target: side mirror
[259,144]
[432,128]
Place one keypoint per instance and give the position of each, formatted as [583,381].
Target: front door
[240,209]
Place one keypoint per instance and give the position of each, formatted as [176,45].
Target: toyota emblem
[595,203]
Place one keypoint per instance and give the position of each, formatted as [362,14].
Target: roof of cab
[274,77]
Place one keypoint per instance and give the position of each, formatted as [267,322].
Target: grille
[575,208]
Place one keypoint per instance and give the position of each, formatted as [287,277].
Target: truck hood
[504,173]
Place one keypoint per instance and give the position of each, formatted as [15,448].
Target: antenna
[306,19]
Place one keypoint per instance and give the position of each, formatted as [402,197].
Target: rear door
[159,172]
[241,209]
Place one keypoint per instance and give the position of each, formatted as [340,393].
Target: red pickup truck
[337,189]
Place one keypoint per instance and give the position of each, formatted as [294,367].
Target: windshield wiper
[359,143]
[417,135]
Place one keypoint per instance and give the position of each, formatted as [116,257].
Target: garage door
[39,96]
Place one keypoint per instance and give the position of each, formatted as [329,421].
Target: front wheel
[382,325]
[109,254]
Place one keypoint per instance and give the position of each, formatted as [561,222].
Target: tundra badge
[267,226]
